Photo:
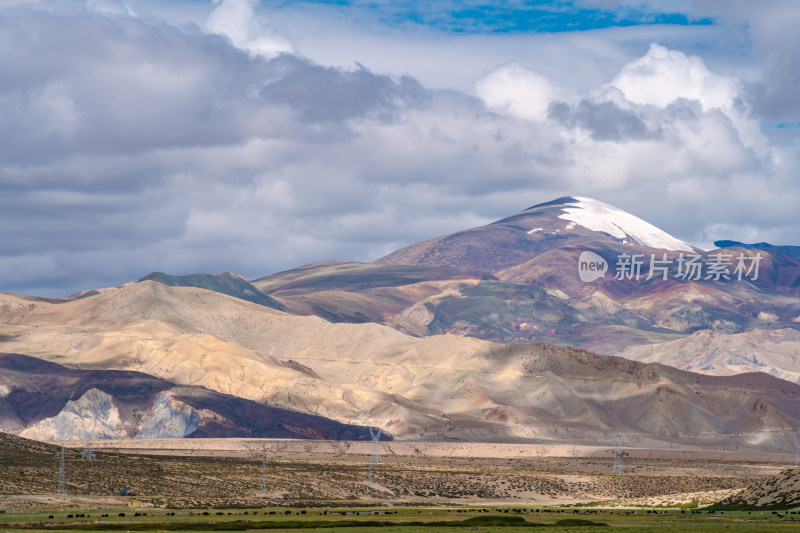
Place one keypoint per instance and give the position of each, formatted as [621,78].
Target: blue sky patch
[781,125]
[510,17]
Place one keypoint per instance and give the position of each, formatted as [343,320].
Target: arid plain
[189,473]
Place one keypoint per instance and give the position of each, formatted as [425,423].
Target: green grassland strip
[244,525]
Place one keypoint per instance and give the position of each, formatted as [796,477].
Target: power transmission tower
[796,438]
[574,462]
[62,473]
[618,441]
[375,456]
[264,476]
[88,452]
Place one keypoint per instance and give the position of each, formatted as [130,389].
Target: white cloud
[515,89]
[109,7]
[662,76]
[237,20]
[671,134]
[133,144]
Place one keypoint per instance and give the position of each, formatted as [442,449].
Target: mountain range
[516,281]
[438,340]
[438,387]
[47,401]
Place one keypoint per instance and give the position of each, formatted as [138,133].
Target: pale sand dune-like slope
[199,337]
[441,386]
[775,352]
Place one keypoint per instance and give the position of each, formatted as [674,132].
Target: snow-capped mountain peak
[600,216]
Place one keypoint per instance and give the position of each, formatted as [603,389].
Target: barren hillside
[443,386]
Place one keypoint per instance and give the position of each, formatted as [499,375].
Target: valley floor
[192,473]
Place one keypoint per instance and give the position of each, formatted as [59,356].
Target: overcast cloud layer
[236,136]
